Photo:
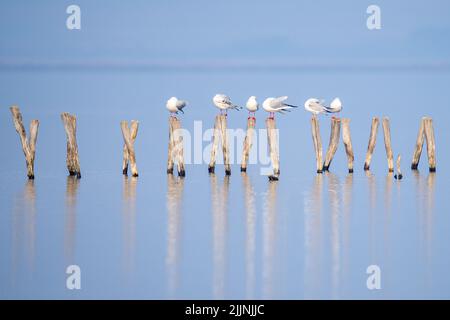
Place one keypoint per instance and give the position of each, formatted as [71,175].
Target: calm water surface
[211,236]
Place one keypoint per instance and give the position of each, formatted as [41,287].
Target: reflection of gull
[219,199]
[333,190]
[129,221]
[175,188]
[70,217]
[250,239]
[269,238]
[313,233]
[24,227]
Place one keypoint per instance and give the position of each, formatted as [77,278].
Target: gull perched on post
[174,106]
[316,106]
[335,106]
[273,105]
[252,106]
[223,102]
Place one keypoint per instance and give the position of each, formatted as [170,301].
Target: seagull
[273,105]
[315,106]
[335,106]
[174,106]
[252,106]
[223,102]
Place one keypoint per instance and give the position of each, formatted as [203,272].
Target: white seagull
[315,106]
[335,106]
[273,105]
[252,106]
[174,105]
[223,102]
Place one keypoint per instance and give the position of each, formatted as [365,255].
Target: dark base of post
[125,171]
[350,170]
[398,177]
[74,173]
[273,178]
[170,171]
[366,167]
[135,175]
[211,169]
[319,171]
[391,170]
[243,169]
[31,177]
[414,166]
[326,168]
[182,173]
[228,172]
[432,169]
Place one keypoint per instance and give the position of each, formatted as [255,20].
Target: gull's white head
[267,104]
[309,101]
[336,104]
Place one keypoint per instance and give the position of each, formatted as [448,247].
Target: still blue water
[238,237]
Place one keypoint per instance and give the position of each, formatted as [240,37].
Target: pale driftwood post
[372,142]
[346,137]
[176,151]
[72,160]
[220,129]
[129,155]
[387,144]
[317,141]
[398,175]
[334,142]
[419,145]
[247,143]
[272,138]
[28,145]
[431,146]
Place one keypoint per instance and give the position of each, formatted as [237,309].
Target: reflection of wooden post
[334,142]
[372,142]
[129,155]
[431,146]
[176,151]
[419,145]
[28,146]
[72,160]
[220,129]
[317,141]
[387,144]
[272,138]
[398,175]
[348,143]
[247,143]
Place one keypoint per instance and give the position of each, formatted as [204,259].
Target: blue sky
[182,31]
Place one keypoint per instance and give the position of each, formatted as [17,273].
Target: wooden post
[176,151]
[431,146]
[387,144]
[248,142]
[220,129]
[317,141]
[398,175]
[419,145]
[272,138]
[346,137]
[28,145]
[72,160]
[372,142]
[334,142]
[129,155]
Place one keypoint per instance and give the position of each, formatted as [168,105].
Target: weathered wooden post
[72,160]
[346,137]
[28,145]
[387,144]
[176,151]
[398,175]
[220,129]
[372,142]
[419,145]
[248,143]
[272,138]
[334,142]
[129,155]
[317,141]
[431,146]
